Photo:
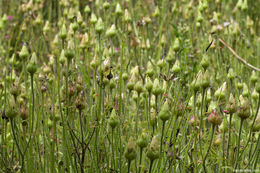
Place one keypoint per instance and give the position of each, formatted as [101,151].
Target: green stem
[229,135]
[210,143]
[238,142]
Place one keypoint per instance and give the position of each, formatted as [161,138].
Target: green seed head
[118,10]
[215,118]
[244,108]
[113,120]
[63,32]
[31,67]
[24,53]
[93,19]
[111,32]
[176,67]
[157,88]
[232,105]
[142,141]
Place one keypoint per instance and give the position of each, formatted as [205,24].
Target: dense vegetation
[129,86]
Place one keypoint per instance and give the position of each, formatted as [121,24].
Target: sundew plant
[129,86]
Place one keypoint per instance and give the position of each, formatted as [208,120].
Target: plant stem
[229,135]
[210,143]
[238,142]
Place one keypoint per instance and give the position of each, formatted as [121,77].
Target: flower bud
[127,17]
[148,84]
[149,69]
[69,53]
[244,108]
[221,91]
[113,119]
[176,67]
[239,85]
[231,74]
[87,9]
[139,87]
[131,83]
[11,111]
[80,102]
[194,122]
[176,45]
[125,76]
[24,52]
[223,128]
[215,118]
[106,5]
[232,105]
[153,120]
[217,142]
[255,95]
[254,77]
[118,10]
[31,67]
[142,141]
[24,112]
[256,127]
[157,89]
[111,32]
[164,113]
[93,19]
[161,63]
[130,153]
[99,26]
[156,12]
[245,92]
[63,32]
[153,150]
[205,61]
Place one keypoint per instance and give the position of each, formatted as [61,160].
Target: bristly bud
[63,32]
[205,80]
[215,118]
[24,53]
[244,108]
[176,67]
[176,45]
[254,77]
[255,95]
[205,61]
[256,127]
[164,113]
[153,120]
[69,53]
[257,88]
[24,112]
[221,91]
[31,67]
[130,153]
[87,9]
[142,141]
[149,69]
[245,92]
[111,32]
[223,126]
[93,19]
[118,10]
[106,5]
[157,88]
[148,84]
[11,111]
[113,119]
[80,102]
[127,17]
[231,74]
[194,122]
[139,87]
[232,105]
[156,12]
[153,150]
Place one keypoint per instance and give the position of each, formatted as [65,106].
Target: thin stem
[210,143]
[238,142]
[229,135]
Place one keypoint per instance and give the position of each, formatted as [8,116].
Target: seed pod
[164,113]
[62,57]
[69,53]
[31,67]
[232,105]
[153,150]
[161,63]
[156,12]
[125,76]
[153,120]
[215,118]
[80,102]
[24,52]
[113,119]
[131,83]
[239,85]
[205,80]
[130,153]
[244,108]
